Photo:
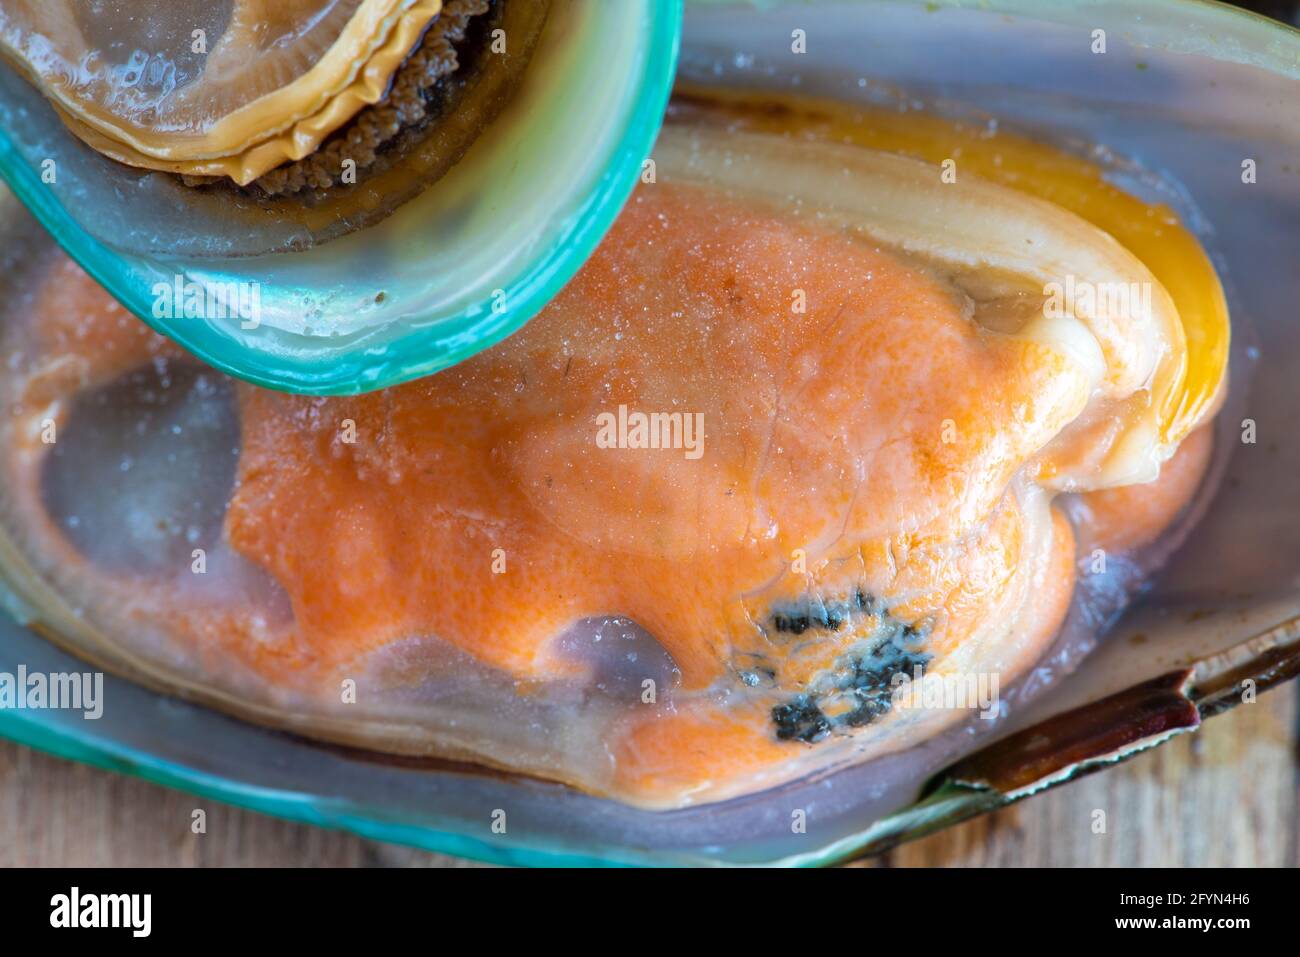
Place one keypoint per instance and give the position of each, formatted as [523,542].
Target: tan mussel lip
[459,107]
[441,98]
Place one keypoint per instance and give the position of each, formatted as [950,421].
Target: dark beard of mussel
[419,155]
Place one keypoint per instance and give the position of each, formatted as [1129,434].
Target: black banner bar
[943,907]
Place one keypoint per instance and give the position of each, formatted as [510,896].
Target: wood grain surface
[1223,797]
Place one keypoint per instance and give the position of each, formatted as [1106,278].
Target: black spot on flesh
[860,685]
[800,719]
[869,684]
[866,603]
[797,618]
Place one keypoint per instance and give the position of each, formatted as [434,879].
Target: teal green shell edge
[290,805]
[320,811]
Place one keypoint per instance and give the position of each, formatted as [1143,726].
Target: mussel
[806,430]
[328,113]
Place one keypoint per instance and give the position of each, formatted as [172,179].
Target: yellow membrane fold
[1189,391]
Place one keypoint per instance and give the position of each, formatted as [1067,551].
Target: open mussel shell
[1224,609]
[384,281]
